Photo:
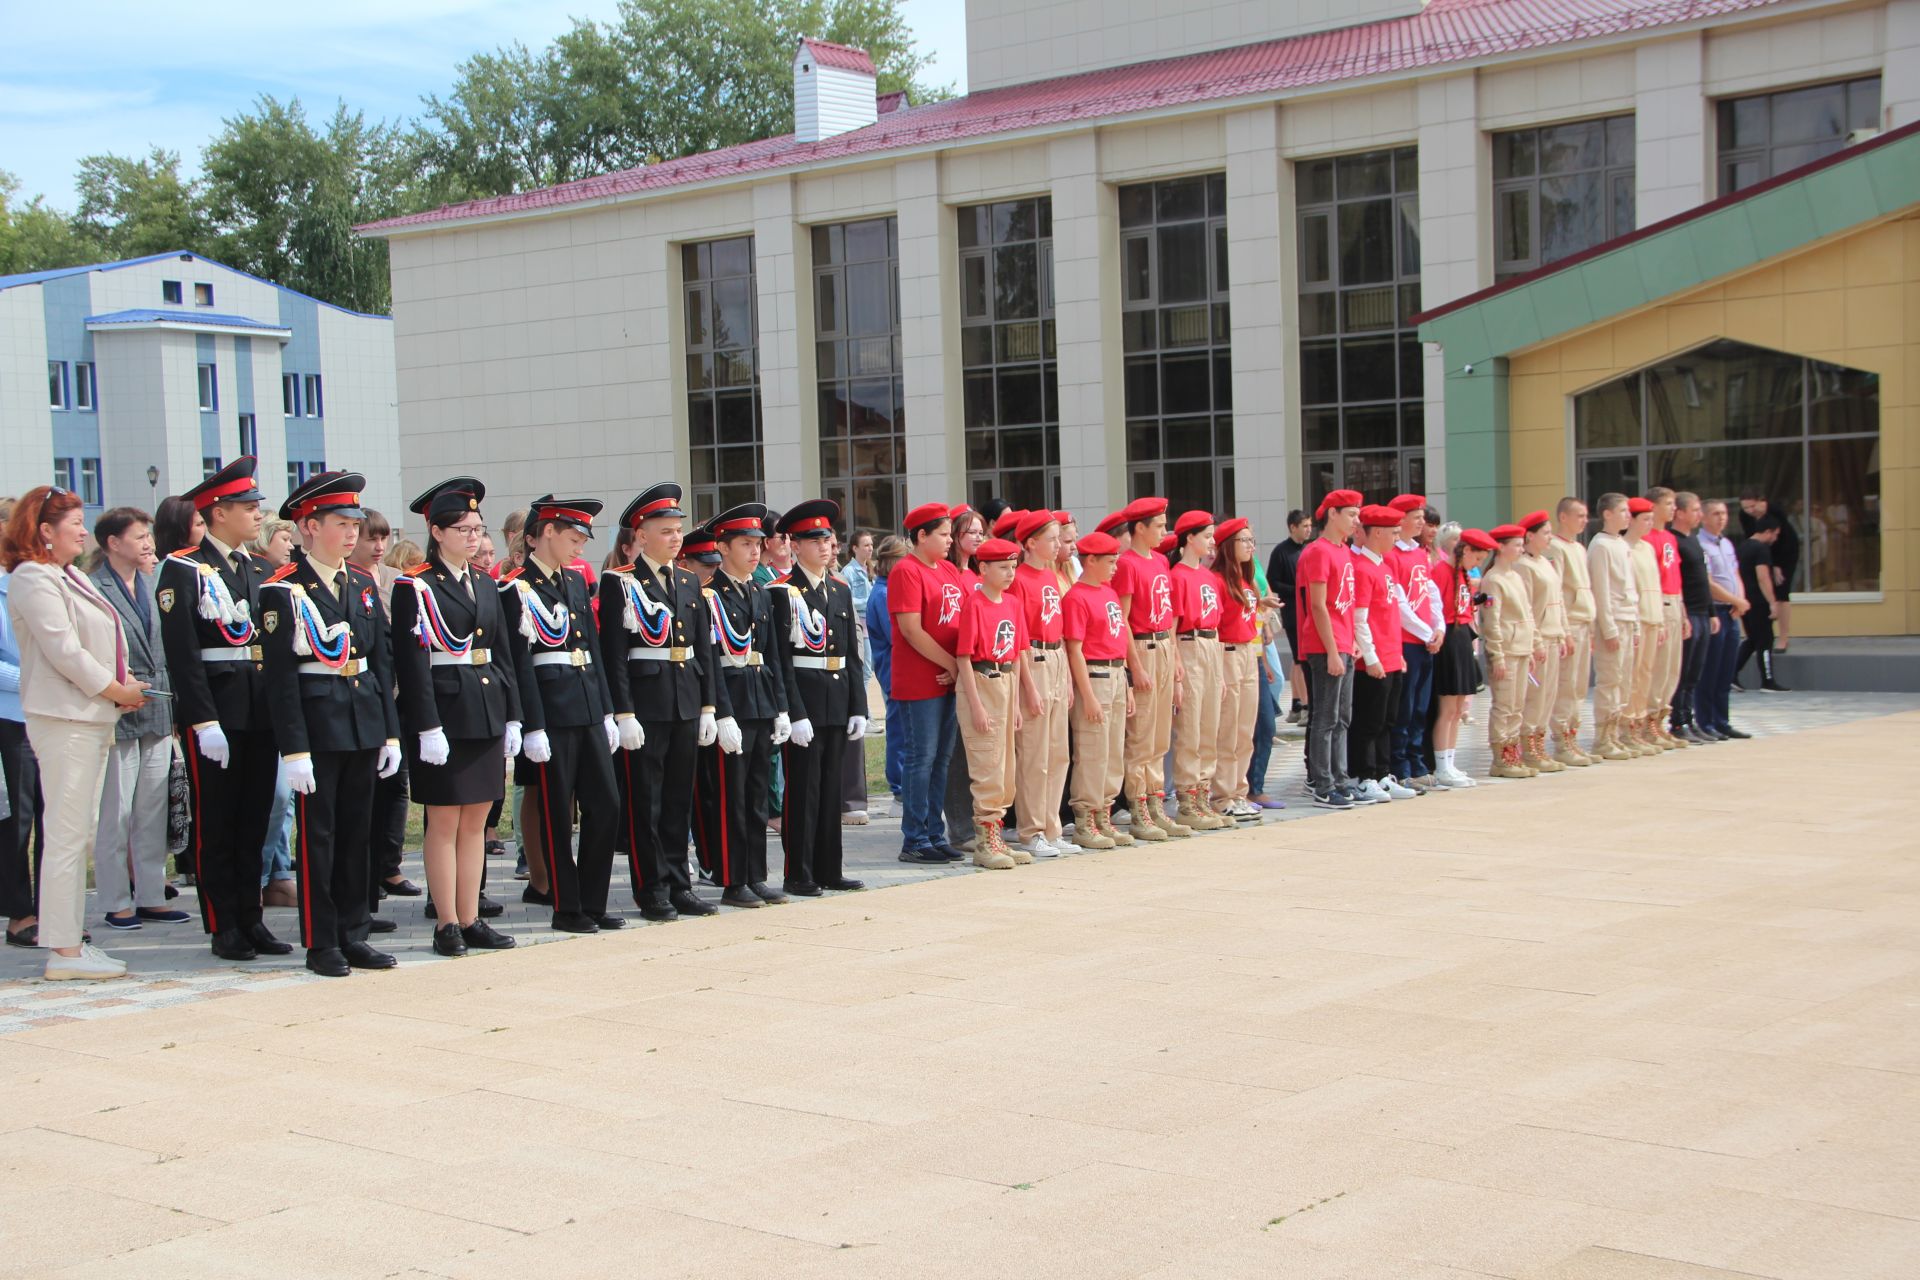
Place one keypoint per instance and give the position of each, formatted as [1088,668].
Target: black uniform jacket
[233,693]
[757,690]
[654,690]
[826,698]
[557,695]
[466,701]
[351,711]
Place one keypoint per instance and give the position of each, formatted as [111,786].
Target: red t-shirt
[1196,593]
[1666,554]
[992,630]
[1413,573]
[934,592]
[1092,616]
[1149,581]
[1239,618]
[1456,593]
[1039,594]
[1324,561]
[1375,592]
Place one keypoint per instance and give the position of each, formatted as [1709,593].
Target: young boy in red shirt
[993,644]
[1095,627]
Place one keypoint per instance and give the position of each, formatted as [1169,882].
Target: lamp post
[153,483]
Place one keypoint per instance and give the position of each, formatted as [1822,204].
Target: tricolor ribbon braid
[547,627]
[809,628]
[733,643]
[216,603]
[313,637]
[431,628]
[644,615]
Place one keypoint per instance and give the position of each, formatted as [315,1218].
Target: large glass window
[1178,342]
[723,375]
[1771,133]
[1362,415]
[863,407]
[1727,418]
[1010,391]
[1560,189]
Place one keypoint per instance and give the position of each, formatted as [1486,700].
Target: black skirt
[475,773]
[1456,673]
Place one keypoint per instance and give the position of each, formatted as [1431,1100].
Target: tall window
[209,467]
[170,291]
[1559,190]
[57,390]
[209,381]
[249,437]
[90,490]
[863,410]
[85,392]
[1011,391]
[290,394]
[1728,417]
[314,406]
[723,375]
[1362,418]
[63,474]
[1177,338]
[1771,133]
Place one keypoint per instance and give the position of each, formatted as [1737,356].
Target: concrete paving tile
[1260,1061]
[1773,1236]
[1637,1177]
[1596,1263]
[253,1179]
[1691,1118]
[1268,1255]
[32,1155]
[49,1223]
[637,1240]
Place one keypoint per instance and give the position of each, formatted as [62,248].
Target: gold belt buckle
[256,652]
[678,654]
[481,657]
[755,658]
[351,667]
[577,657]
[835,664]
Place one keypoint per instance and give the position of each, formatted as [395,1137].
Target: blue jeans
[1410,719]
[1715,690]
[896,753]
[930,730]
[1266,715]
[1693,661]
[276,859]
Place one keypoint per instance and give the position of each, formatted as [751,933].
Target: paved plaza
[1654,1019]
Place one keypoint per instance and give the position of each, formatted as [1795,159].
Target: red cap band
[563,513]
[219,491]
[312,505]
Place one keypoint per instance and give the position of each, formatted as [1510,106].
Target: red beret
[1409,503]
[1478,538]
[1338,498]
[1098,544]
[996,549]
[1501,532]
[1226,529]
[1143,509]
[1191,520]
[1533,520]
[957,510]
[1166,544]
[1113,521]
[1063,517]
[1008,521]
[1374,517]
[1032,522]
[924,514]
[1638,506]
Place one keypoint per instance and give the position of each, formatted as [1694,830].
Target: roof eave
[187,325]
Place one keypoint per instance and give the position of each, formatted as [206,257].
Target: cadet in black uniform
[565,712]
[460,708]
[826,697]
[209,598]
[329,666]
[656,631]
[733,786]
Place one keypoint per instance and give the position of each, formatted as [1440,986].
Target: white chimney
[833,90]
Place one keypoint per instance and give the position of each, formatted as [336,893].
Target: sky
[124,76]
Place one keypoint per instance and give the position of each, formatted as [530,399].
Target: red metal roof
[889,102]
[844,56]
[1447,31]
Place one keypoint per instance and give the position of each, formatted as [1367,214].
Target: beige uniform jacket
[1576,583]
[1506,620]
[1549,605]
[1616,599]
[1646,580]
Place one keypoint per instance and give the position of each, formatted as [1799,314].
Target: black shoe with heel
[448,941]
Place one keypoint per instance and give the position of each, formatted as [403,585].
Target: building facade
[1107,271]
[128,381]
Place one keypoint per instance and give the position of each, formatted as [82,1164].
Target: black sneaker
[1731,732]
[1356,796]
[932,856]
[1773,686]
[1332,800]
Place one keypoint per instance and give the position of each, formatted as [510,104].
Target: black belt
[1048,644]
[993,670]
[1151,635]
[1230,648]
[1205,633]
[1106,662]
[1099,673]
[1037,656]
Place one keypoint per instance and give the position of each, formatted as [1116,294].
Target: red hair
[42,504]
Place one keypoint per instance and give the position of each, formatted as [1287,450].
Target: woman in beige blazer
[73,690]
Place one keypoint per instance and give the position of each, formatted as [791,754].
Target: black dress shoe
[687,903]
[27,937]
[843,884]
[652,908]
[447,941]
[610,921]
[574,922]
[264,943]
[328,962]
[231,944]
[172,892]
[802,888]
[1731,732]
[535,897]
[489,908]
[362,956]
[380,924]
[739,896]
[482,936]
[401,888]
[767,893]
[930,857]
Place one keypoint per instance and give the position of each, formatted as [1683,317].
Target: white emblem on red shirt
[1667,555]
[1417,582]
[1162,608]
[1209,599]
[949,603]
[1115,619]
[1462,597]
[1246,610]
[1343,596]
[1003,640]
[1049,603]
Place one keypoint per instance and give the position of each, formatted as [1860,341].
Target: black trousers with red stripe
[656,805]
[230,811]
[580,770]
[810,826]
[730,813]
[330,844]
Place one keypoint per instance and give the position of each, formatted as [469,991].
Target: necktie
[340,586]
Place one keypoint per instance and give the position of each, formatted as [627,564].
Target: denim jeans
[1266,716]
[1715,690]
[930,731]
[1693,662]
[896,753]
[1410,718]
[1328,715]
[276,859]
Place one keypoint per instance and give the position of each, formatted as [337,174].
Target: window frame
[290,395]
[86,387]
[210,466]
[59,389]
[207,386]
[844,484]
[202,293]
[1726,158]
[1530,184]
[172,293]
[315,405]
[66,473]
[91,489]
[699,286]
[249,431]
[999,480]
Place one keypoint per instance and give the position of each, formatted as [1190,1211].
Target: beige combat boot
[1569,754]
[1167,822]
[1506,762]
[1019,855]
[1104,820]
[1536,756]
[1086,830]
[1606,741]
[988,851]
[1197,813]
[1145,825]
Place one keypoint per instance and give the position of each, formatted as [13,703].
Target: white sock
[1446,759]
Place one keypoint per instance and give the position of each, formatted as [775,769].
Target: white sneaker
[1397,791]
[1247,809]
[91,965]
[1122,818]
[1378,792]
[1452,779]
[1040,847]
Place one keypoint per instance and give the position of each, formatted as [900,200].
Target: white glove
[632,735]
[389,763]
[513,739]
[782,729]
[802,733]
[213,744]
[536,748]
[856,728]
[299,776]
[613,734]
[708,729]
[434,747]
[727,731]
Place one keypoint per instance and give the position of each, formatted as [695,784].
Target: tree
[136,208]
[34,237]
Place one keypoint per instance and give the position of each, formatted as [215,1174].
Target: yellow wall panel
[1873,315]
[1762,282]
[1693,323]
[1761,321]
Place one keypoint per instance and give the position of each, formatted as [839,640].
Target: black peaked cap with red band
[231,483]
[749,519]
[700,546]
[329,493]
[575,513]
[661,500]
[810,519]
[450,499]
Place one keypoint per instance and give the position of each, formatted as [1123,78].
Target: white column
[1456,243]
[1672,162]
[1086,315]
[1260,277]
[782,258]
[929,310]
